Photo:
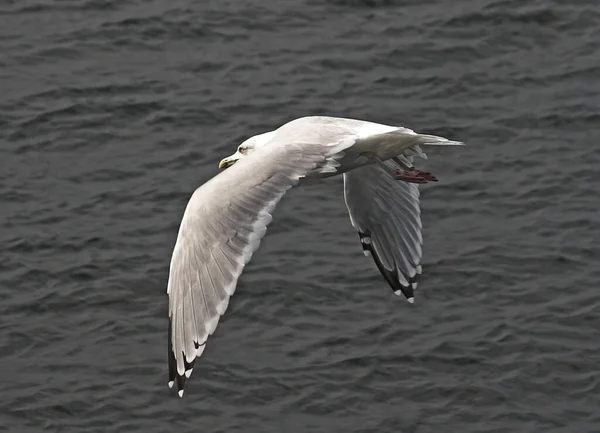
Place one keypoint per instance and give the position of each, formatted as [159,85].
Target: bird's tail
[401,141]
[434,140]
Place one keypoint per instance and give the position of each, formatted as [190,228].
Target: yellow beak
[226,162]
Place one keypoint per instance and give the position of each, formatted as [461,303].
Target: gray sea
[112,112]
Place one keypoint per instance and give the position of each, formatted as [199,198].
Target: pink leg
[414,176]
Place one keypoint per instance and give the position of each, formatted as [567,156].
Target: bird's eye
[242,150]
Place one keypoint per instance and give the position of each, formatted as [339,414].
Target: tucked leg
[414,176]
[410,174]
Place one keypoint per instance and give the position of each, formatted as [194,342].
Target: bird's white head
[246,148]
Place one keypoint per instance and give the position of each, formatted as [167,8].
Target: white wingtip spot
[398,292]
[171,383]
[411,300]
[222,306]
[367,253]
[180,392]
[212,324]
[188,373]
[191,355]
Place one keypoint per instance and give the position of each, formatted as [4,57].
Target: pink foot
[414,176]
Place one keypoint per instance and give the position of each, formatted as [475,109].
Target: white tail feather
[434,140]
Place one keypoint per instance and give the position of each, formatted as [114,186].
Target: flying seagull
[226,217]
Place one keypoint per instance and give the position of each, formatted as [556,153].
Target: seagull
[226,217]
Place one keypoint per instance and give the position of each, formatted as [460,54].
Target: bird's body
[367,139]
[228,215]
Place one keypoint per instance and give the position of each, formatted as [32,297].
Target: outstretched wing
[386,214]
[222,226]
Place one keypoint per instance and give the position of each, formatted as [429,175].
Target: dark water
[113,111]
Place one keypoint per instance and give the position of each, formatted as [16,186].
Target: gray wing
[222,226]
[386,214]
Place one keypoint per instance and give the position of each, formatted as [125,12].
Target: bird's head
[246,148]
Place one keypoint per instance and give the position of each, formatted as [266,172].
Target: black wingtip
[174,377]
[180,380]
[171,356]
[392,277]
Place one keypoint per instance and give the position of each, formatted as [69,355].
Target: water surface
[112,112]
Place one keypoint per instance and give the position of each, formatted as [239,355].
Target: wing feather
[386,214]
[221,227]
